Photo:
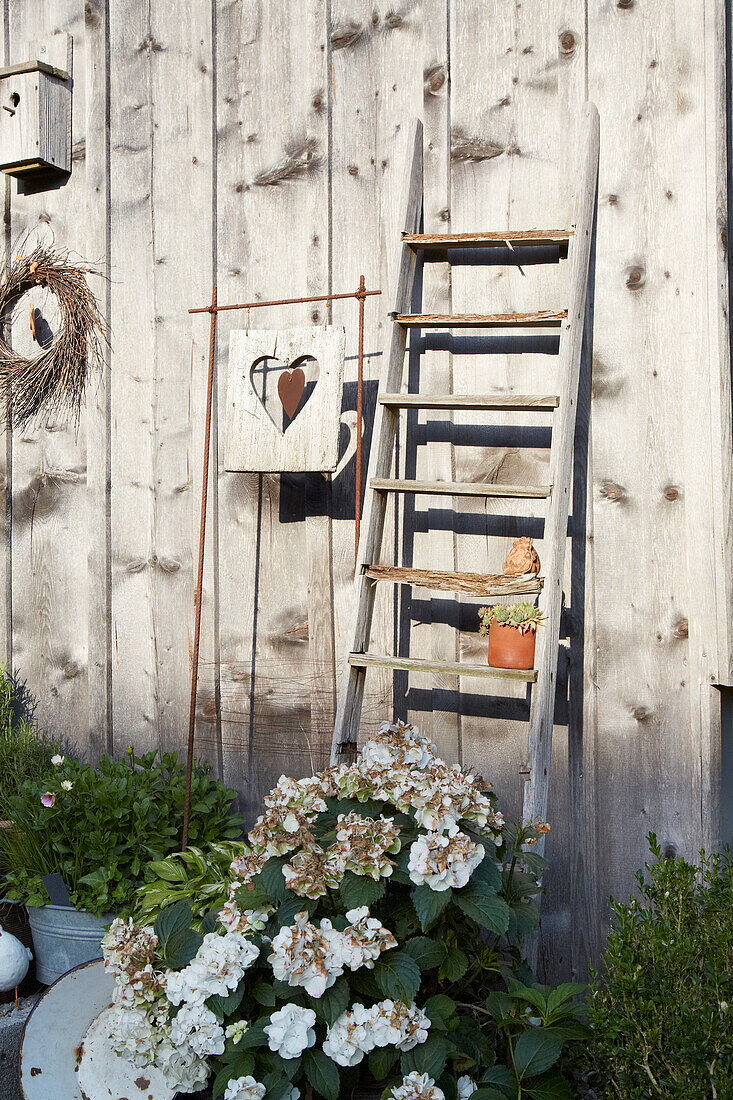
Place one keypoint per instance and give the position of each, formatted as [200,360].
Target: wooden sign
[284,400]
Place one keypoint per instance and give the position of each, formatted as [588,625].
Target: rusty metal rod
[200,574]
[284,302]
[361,296]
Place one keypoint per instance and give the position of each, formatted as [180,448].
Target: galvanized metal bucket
[64,938]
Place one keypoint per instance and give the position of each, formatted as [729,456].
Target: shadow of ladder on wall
[575,243]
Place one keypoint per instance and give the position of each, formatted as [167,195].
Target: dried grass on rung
[52,383]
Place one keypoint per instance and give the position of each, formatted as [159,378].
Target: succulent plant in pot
[512,632]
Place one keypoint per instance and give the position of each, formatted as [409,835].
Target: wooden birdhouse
[35,110]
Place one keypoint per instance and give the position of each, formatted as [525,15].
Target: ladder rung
[545,318]
[522,238]
[511,402]
[457,488]
[454,668]
[474,584]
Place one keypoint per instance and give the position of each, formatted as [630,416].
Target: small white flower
[349,1037]
[244,1088]
[290,1030]
[67,784]
[236,1030]
[417,1087]
[196,1027]
[57,760]
[466,1087]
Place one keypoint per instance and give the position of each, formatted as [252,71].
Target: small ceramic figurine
[14,961]
[522,558]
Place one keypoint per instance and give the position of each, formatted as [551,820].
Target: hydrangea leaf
[381,1061]
[397,976]
[277,1086]
[523,918]
[289,909]
[439,1009]
[263,993]
[174,918]
[255,1035]
[322,1074]
[550,1088]
[485,907]
[429,1057]
[488,873]
[333,1002]
[429,904]
[427,953]
[535,1052]
[241,1066]
[358,890]
[454,966]
[490,1094]
[271,878]
[181,946]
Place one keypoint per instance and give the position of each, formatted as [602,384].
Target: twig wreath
[54,381]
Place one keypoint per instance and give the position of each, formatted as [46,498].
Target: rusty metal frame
[361,294]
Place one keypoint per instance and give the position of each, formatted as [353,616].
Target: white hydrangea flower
[217,967]
[443,860]
[244,1088]
[303,955]
[417,1086]
[365,939]
[398,743]
[466,1087]
[183,1070]
[196,1027]
[349,1037]
[398,1024]
[290,1030]
[135,1033]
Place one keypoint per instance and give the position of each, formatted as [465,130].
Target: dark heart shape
[290,386]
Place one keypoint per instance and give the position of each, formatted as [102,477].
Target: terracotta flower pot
[509,647]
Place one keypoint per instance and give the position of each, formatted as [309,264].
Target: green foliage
[199,876]
[99,833]
[25,753]
[523,616]
[662,1006]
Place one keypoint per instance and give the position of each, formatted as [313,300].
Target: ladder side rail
[348,711]
[561,465]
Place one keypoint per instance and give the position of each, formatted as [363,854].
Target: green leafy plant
[662,1006]
[199,876]
[523,616]
[25,753]
[98,827]
[372,932]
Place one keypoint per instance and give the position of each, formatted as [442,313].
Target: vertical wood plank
[161,61]
[50,519]
[653,363]
[377,92]
[517,88]
[272,188]
[96,222]
[428,451]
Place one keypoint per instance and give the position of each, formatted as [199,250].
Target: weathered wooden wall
[257,144]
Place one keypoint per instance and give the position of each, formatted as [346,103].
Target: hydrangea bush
[377,907]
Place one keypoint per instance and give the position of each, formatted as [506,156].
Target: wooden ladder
[575,243]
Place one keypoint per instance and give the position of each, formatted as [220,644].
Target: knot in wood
[567,43]
[609,490]
[624,3]
[433,79]
[681,629]
[640,713]
[635,277]
[353,170]
[672,493]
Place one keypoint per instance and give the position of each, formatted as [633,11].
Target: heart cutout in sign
[290,386]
